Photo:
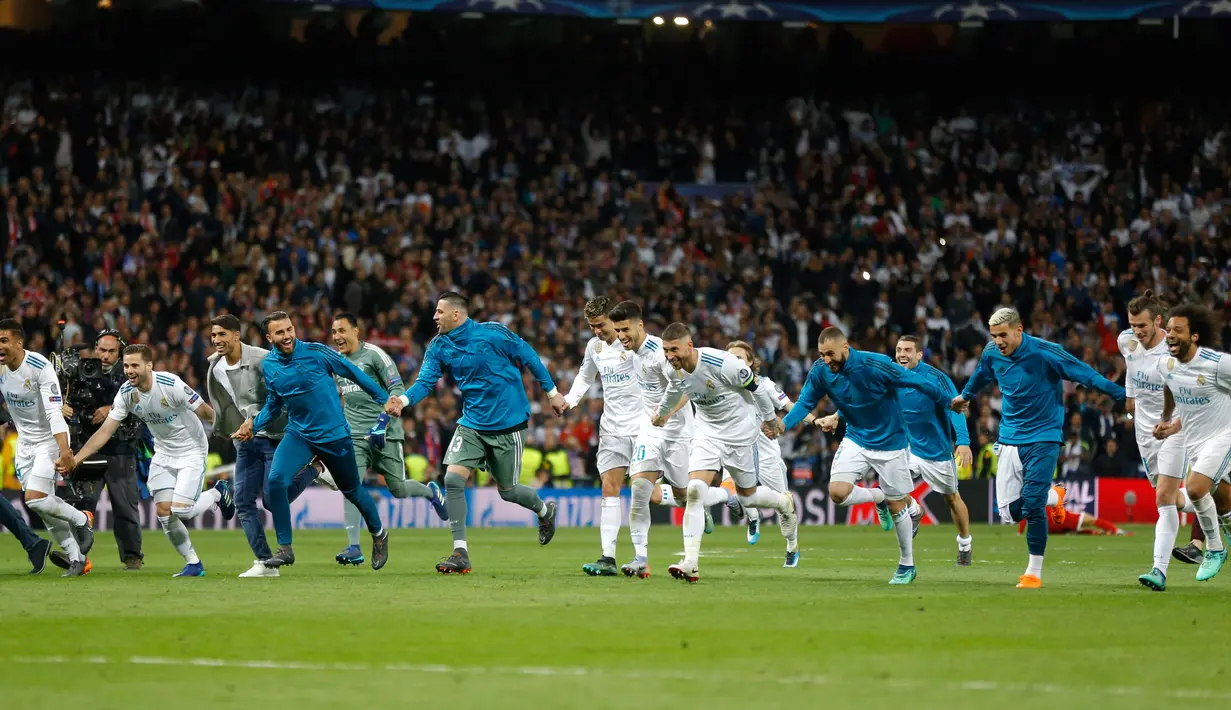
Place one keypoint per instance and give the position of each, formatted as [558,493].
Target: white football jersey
[616,368]
[168,408]
[1202,391]
[766,445]
[32,395]
[726,410]
[1144,381]
[654,374]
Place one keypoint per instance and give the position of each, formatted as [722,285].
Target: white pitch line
[973,686]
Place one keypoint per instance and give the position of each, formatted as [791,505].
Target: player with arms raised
[771,469]
[377,445]
[608,361]
[1031,373]
[1198,393]
[863,386]
[173,412]
[939,442]
[731,412]
[32,396]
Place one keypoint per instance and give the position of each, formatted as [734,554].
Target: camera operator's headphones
[113,333]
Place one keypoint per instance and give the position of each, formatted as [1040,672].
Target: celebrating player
[933,432]
[728,402]
[300,376]
[771,469]
[173,412]
[863,386]
[32,395]
[1031,373]
[659,452]
[1197,390]
[485,360]
[377,445]
[1077,524]
[607,360]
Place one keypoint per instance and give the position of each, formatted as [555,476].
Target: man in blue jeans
[235,383]
[36,547]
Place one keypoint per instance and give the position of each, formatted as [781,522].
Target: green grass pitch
[528,629]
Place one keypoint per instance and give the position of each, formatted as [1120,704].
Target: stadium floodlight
[681,22]
[658,20]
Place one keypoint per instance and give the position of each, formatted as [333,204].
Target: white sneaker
[326,478]
[685,571]
[259,570]
[789,521]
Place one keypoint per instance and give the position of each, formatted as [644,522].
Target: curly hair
[598,306]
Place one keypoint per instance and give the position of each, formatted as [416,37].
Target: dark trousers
[120,478]
[292,455]
[1038,469]
[253,459]
[12,521]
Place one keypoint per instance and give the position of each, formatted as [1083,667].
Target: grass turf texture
[528,629]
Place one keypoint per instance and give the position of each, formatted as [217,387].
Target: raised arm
[520,352]
[956,419]
[271,410]
[1065,365]
[429,374]
[894,375]
[341,367]
[119,410]
[983,375]
[810,396]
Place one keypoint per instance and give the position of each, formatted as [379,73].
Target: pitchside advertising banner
[1118,500]
[870,11]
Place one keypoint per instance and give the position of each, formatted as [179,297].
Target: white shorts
[1009,478]
[1212,458]
[1163,458]
[183,475]
[740,460]
[36,466]
[614,452]
[941,476]
[771,469]
[670,458]
[852,463]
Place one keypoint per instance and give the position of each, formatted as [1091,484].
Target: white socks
[177,533]
[694,521]
[1053,498]
[639,516]
[766,498]
[752,514]
[53,506]
[904,527]
[208,499]
[716,496]
[353,520]
[1208,517]
[1165,530]
[609,525]
[1034,567]
[860,494]
[963,543]
[915,511]
[1186,503]
[63,534]
[668,499]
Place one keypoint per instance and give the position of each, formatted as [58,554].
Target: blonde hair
[1004,316]
[754,362]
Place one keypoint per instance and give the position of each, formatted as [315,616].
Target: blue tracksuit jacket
[303,383]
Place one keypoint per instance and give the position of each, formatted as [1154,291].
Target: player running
[1031,373]
[32,396]
[377,445]
[939,442]
[1197,391]
[659,452]
[174,413]
[300,376]
[729,404]
[1144,347]
[771,469]
[608,361]
[485,360]
[863,386]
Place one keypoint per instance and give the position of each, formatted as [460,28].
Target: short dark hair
[831,334]
[13,326]
[625,310]
[273,316]
[1148,301]
[913,340]
[226,321]
[455,299]
[677,331]
[599,306]
[140,349]
[348,317]
[1200,322]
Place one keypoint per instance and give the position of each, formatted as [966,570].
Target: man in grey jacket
[235,382]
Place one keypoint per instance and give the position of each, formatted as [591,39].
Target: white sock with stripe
[1165,530]
[609,524]
[209,498]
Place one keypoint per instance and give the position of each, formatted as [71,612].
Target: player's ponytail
[1149,301]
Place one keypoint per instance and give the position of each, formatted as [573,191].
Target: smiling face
[225,342]
[907,353]
[602,328]
[12,348]
[345,336]
[281,334]
[138,370]
[681,354]
[1180,339]
[835,353]
[1145,327]
[447,316]
[630,333]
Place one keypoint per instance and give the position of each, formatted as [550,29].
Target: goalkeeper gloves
[376,435]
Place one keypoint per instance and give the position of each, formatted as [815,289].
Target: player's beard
[1183,348]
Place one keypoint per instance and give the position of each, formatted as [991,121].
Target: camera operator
[120,474]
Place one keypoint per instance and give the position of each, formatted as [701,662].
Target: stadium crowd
[148,208]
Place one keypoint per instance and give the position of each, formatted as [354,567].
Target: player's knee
[455,481]
[696,490]
[39,505]
[397,489]
[508,494]
[163,510]
[642,488]
[612,482]
[181,511]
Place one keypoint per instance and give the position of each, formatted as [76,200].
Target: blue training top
[933,428]
[303,382]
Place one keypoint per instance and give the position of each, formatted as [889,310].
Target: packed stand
[161,207]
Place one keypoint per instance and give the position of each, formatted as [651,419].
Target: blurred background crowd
[841,181]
